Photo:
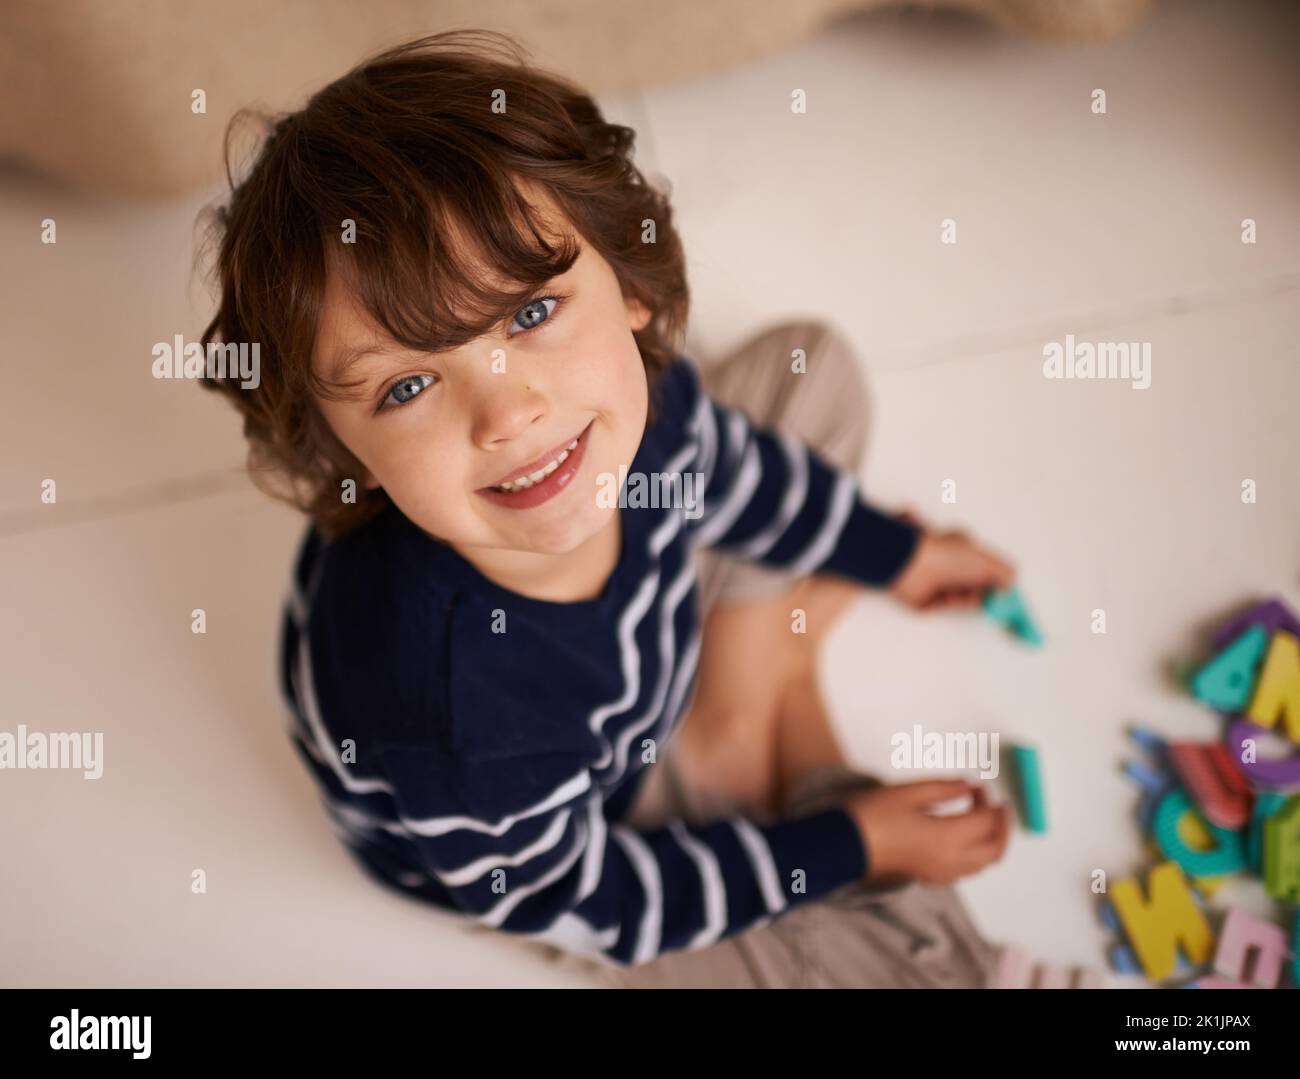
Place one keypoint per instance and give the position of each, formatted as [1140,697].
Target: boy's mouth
[539,480]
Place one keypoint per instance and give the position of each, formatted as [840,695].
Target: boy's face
[437,432]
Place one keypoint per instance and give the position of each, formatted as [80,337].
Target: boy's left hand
[949,570]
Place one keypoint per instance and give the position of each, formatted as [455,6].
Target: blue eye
[533,314]
[404,390]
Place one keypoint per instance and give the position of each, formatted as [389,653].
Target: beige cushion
[100,92]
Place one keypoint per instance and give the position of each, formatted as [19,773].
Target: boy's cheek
[437,512]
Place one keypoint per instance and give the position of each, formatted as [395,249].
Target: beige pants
[859,936]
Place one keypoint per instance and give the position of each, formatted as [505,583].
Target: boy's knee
[844,371]
[832,416]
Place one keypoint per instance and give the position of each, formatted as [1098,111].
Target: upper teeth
[541,474]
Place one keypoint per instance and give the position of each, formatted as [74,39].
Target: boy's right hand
[904,838]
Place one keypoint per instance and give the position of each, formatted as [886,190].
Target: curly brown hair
[424,148]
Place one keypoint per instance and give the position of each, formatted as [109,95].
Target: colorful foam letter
[1122,960]
[1154,785]
[1242,937]
[1195,830]
[1214,782]
[1266,804]
[1008,609]
[1169,918]
[1085,978]
[1277,693]
[1278,773]
[1154,781]
[1029,778]
[1272,614]
[1282,852]
[1218,981]
[1121,957]
[1227,856]
[1295,951]
[1017,971]
[1226,681]
[1150,741]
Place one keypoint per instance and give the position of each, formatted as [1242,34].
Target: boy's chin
[568,533]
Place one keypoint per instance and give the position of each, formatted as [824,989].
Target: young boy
[543,545]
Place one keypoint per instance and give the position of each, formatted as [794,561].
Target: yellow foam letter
[1170,917]
[1277,694]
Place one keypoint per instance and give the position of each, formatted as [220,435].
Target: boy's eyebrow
[346,358]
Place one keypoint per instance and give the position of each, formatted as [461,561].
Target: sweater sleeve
[522,844]
[769,497]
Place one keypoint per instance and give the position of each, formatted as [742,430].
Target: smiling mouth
[522,480]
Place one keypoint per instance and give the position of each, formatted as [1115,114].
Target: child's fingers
[1000,810]
[998,821]
[957,598]
[994,845]
[980,825]
[1004,829]
[933,602]
[977,858]
[929,791]
[1001,572]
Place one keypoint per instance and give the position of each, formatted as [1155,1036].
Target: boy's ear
[638,315]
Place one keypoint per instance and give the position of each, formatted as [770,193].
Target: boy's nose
[505,409]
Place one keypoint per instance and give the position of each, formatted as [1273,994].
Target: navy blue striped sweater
[488,772]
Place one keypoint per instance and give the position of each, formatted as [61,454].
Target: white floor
[1122,227]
